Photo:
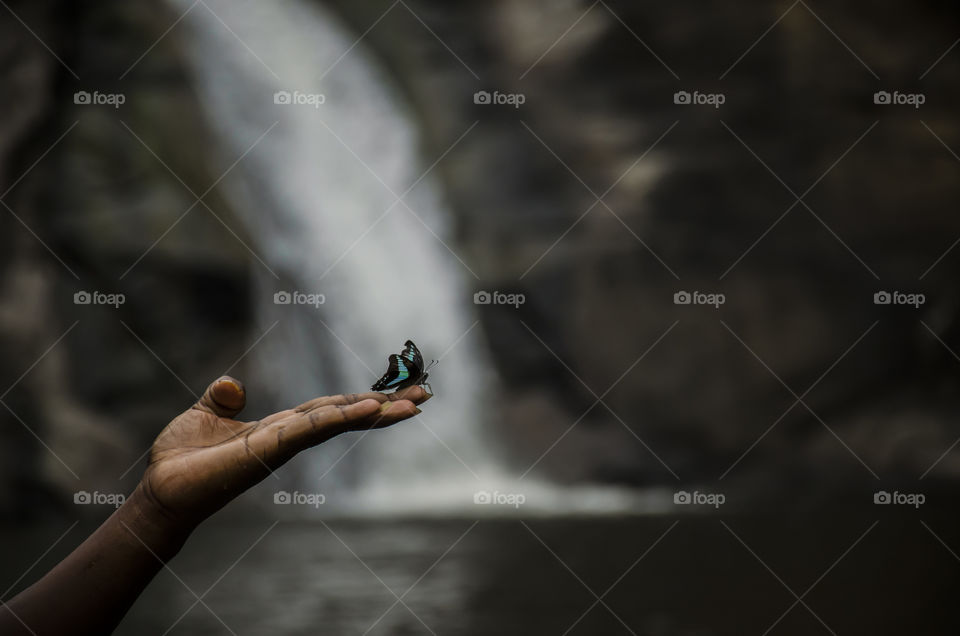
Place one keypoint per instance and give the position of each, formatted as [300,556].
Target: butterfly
[405,369]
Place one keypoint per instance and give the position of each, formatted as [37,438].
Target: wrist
[148,525]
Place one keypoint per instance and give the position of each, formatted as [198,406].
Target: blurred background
[689,269]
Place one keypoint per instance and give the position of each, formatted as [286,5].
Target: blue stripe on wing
[402,374]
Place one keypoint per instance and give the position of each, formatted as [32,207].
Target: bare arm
[198,463]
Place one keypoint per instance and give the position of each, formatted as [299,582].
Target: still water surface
[544,575]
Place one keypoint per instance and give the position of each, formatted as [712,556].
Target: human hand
[204,458]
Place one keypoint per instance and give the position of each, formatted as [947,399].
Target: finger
[415,394]
[225,397]
[388,414]
[320,402]
[320,424]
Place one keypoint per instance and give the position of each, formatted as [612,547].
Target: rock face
[599,198]
[702,198]
[28,77]
[91,192]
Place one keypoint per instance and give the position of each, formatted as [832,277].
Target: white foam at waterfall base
[318,196]
[501,497]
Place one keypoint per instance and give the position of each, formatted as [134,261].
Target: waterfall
[317,195]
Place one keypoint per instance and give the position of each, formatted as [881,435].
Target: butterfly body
[404,369]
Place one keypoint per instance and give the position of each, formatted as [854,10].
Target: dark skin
[200,462]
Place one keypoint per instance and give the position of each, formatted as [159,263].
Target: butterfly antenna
[431,365]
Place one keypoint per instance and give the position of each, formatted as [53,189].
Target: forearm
[90,591]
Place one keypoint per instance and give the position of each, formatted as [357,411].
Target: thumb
[225,397]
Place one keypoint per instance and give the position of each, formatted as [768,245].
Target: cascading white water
[318,195]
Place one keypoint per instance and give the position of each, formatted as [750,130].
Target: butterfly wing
[398,371]
[412,356]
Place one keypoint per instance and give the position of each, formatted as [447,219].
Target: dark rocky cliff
[87,200]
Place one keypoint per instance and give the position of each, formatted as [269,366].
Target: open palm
[204,458]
